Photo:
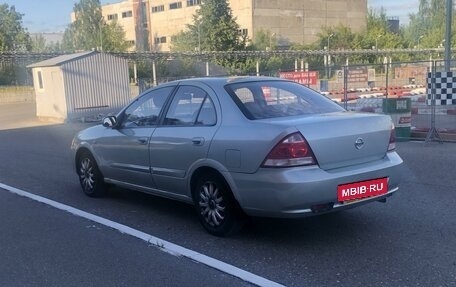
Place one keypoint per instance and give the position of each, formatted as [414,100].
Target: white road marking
[163,245]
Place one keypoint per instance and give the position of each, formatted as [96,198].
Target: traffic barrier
[400,111]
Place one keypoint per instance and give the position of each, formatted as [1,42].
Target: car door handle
[198,141]
[143,140]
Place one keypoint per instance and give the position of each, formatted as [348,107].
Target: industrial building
[150,24]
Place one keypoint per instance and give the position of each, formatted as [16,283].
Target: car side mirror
[109,121]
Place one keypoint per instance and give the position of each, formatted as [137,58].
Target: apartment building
[150,24]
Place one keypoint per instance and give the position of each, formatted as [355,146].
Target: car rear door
[184,137]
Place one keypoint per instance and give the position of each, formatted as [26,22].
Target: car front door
[183,138]
[125,148]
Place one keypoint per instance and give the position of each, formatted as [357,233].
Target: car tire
[90,177]
[217,209]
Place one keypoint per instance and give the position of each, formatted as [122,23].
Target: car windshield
[272,99]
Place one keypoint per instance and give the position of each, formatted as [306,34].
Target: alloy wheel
[87,175]
[212,204]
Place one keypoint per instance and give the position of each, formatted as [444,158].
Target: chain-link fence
[412,92]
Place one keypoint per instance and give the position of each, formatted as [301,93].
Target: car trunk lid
[344,139]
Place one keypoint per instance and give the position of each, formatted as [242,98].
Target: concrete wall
[301,21]
[17,95]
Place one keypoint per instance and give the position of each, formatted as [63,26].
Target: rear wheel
[218,211]
[90,177]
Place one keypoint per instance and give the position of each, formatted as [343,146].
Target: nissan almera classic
[236,147]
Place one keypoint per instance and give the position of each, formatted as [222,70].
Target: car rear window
[272,99]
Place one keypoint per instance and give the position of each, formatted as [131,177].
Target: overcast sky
[46,16]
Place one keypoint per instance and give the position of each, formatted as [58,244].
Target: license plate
[362,189]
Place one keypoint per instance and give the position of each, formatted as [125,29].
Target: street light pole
[376,41]
[270,41]
[328,58]
[419,38]
[329,37]
[199,37]
[101,34]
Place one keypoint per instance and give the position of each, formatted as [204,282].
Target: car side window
[206,115]
[190,106]
[145,111]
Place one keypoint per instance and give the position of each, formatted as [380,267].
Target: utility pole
[449,11]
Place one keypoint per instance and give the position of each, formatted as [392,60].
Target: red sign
[362,189]
[304,78]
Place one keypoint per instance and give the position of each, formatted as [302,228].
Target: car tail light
[291,151]
[392,140]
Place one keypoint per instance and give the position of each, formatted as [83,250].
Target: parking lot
[408,241]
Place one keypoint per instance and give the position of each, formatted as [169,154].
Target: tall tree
[90,31]
[264,40]
[13,36]
[427,26]
[214,29]
[40,45]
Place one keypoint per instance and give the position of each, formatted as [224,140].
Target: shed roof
[59,60]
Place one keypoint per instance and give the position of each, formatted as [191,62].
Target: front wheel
[218,211]
[90,177]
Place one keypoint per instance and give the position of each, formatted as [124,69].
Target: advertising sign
[410,72]
[356,75]
[304,78]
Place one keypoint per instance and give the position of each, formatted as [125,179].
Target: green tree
[377,36]
[13,36]
[90,31]
[114,38]
[264,40]
[214,29]
[39,45]
[427,26]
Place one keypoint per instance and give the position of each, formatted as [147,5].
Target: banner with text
[304,78]
[356,75]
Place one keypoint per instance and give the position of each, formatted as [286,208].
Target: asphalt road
[409,241]
[42,246]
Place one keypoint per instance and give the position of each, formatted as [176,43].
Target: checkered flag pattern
[443,86]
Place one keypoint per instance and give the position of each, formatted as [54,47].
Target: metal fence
[429,109]
[363,88]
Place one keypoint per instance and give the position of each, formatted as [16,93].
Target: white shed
[80,85]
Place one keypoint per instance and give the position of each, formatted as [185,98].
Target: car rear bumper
[305,191]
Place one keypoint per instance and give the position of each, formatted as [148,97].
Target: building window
[193,2]
[160,40]
[175,5]
[40,80]
[244,31]
[131,42]
[157,9]
[127,14]
[112,17]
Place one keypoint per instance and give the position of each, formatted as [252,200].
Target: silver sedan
[237,147]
